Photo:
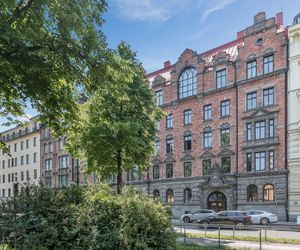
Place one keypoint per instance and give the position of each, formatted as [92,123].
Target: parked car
[238,218]
[262,217]
[197,215]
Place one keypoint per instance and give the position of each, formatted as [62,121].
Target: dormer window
[187,83]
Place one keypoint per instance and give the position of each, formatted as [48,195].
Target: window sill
[169,128]
[224,116]
[186,125]
[207,120]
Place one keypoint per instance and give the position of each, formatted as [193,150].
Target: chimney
[279,20]
[167,64]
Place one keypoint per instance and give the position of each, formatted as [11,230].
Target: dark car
[238,218]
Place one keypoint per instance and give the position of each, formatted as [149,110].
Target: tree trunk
[119,172]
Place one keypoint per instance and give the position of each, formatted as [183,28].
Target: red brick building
[222,144]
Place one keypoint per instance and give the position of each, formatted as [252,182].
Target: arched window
[269,192]
[169,196]
[187,195]
[187,83]
[156,194]
[252,193]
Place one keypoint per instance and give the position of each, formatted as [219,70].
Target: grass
[243,238]
[197,247]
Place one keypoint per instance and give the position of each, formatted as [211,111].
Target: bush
[86,218]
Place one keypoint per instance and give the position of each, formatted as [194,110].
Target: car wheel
[240,225]
[204,223]
[186,220]
[264,221]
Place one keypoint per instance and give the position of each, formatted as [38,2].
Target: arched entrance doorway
[217,201]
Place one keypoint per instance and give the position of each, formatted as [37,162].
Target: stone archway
[217,201]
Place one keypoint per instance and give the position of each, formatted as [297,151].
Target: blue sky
[160,30]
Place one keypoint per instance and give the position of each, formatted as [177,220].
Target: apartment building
[222,144]
[58,168]
[22,165]
[294,118]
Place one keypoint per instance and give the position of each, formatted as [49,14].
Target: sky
[160,30]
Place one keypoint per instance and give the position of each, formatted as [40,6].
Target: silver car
[262,217]
[196,215]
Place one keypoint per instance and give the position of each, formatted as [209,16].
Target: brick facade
[264,44]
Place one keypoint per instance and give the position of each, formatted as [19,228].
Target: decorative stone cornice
[262,173]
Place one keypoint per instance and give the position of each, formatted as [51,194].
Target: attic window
[259,41]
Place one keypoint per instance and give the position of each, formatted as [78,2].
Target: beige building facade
[22,166]
[294,119]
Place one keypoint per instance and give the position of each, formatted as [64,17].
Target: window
[27,159]
[268,64]
[62,180]
[187,117]
[260,161]
[268,96]
[169,146]
[269,193]
[187,169]
[169,171]
[156,194]
[225,108]
[76,169]
[169,123]
[22,160]
[252,193]
[135,173]
[3,178]
[22,145]
[46,148]
[260,130]
[34,141]
[187,142]
[156,172]
[206,166]
[158,126]
[61,144]
[159,97]
[22,176]
[27,175]
[251,69]
[207,139]
[15,147]
[249,131]
[35,174]
[12,162]
[157,147]
[169,196]
[271,128]
[16,161]
[50,147]
[63,162]
[226,165]
[225,136]
[251,100]
[221,78]
[34,157]
[47,182]
[187,195]
[271,159]
[3,164]
[249,162]
[187,83]
[8,163]
[27,143]
[207,112]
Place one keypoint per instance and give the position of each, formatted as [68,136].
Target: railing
[260,233]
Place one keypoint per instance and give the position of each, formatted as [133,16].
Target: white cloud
[161,11]
[149,10]
[215,6]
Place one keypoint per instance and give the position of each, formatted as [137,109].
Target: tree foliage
[86,218]
[115,128]
[46,48]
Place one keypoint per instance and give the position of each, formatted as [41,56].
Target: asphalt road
[279,230]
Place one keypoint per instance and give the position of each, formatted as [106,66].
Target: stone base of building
[294,190]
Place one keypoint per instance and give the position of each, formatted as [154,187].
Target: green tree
[46,48]
[115,128]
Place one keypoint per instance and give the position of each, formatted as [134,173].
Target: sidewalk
[239,244]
